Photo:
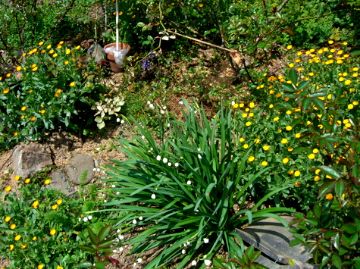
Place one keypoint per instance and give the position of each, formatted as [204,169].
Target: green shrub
[42,228]
[50,89]
[186,194]
[309,117]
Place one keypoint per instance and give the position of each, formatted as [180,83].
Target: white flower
[139,260]
[158,158]
[199,156]
[151,106]
[121,237]
[134,221]
[90,217]
[199,149]
[148,102]
[169,164]
[141,218]
[181,102]
[117,193]
[162,112]
[165,160]
[118,120]
[188,243]
[113,186]
[176,164]
[188,182]
[168,125]
[165,37]
[183,251]
[232,103]
[153,196]
[85,219]
[122,121]
[143,137]
[193,263]
[207,262]
[172,37]
[206,240]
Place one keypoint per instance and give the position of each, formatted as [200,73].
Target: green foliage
[187,194]
[50,89]
[39,225]
[314,105]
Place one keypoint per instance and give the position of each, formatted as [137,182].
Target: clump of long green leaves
[186,195]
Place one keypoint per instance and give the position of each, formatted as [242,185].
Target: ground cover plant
[43,228]
[48,90]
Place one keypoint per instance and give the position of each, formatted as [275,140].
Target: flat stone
[29,159]
[80,169]
[272,239]
[60,182]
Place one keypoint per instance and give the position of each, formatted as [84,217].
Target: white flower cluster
[86,218]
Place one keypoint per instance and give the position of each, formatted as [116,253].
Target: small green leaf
[330,171]
[336,261]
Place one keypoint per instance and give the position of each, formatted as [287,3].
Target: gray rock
[60,182]
[31,158]
[272,239]
[80,169]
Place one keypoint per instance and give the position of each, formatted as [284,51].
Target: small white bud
[206,240]
[139,260]
[153,196]
[169,163]
[188,182]
[207,262]
[199,156]
[141,218]
[176,164]
[183,251]
[193,263]
[134,221]
[158,158]
[165,160]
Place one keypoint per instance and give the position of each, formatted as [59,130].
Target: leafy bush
[41,227]
[186,194]
[308,117]
[50,89]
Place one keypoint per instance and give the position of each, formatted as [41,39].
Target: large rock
[60,182]
[31,158]
[273,240]
[80,169]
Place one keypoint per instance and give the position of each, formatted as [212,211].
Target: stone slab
[80,169]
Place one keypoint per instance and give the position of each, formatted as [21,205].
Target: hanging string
[117,25]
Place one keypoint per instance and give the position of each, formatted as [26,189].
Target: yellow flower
[12,226]
[257,140]
[35,204]
[66,62]
[315,151]
[7,188]
[59,267]
[290,149]
[316,178]
[7,218]
[77,47]
[350,106]
[252,105]
[58,92]
[297,173]
[285,160]
[47,181]
[235,106]
[284,141]
[311,156]
[67,51]
[11,247]
[248,123]
[347,82]
[51,51]
[27,180]
[244,115]
[34,238]
[331,42]
[17,178]
[246,146]
[17,237]
[241,139]
[34,69]
[18,68]
[271,106]
[6,90]
[311,74]
[33,119]
[266,147]
[288,128]
[355,69]
[288,112]
[8,75]
[23,108]
[297,135]
[59,201]
[42,111]
[251,159]
[55,55]
[289,47]
[355,75]
[297,184]
[264,163]
[41,43]
[291,65]
[54,207]
[61,42]
[317,171]
[52,232]
[40,266]
[329,196]
[72,84]
[355,103]
[23,246]
[276,119]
